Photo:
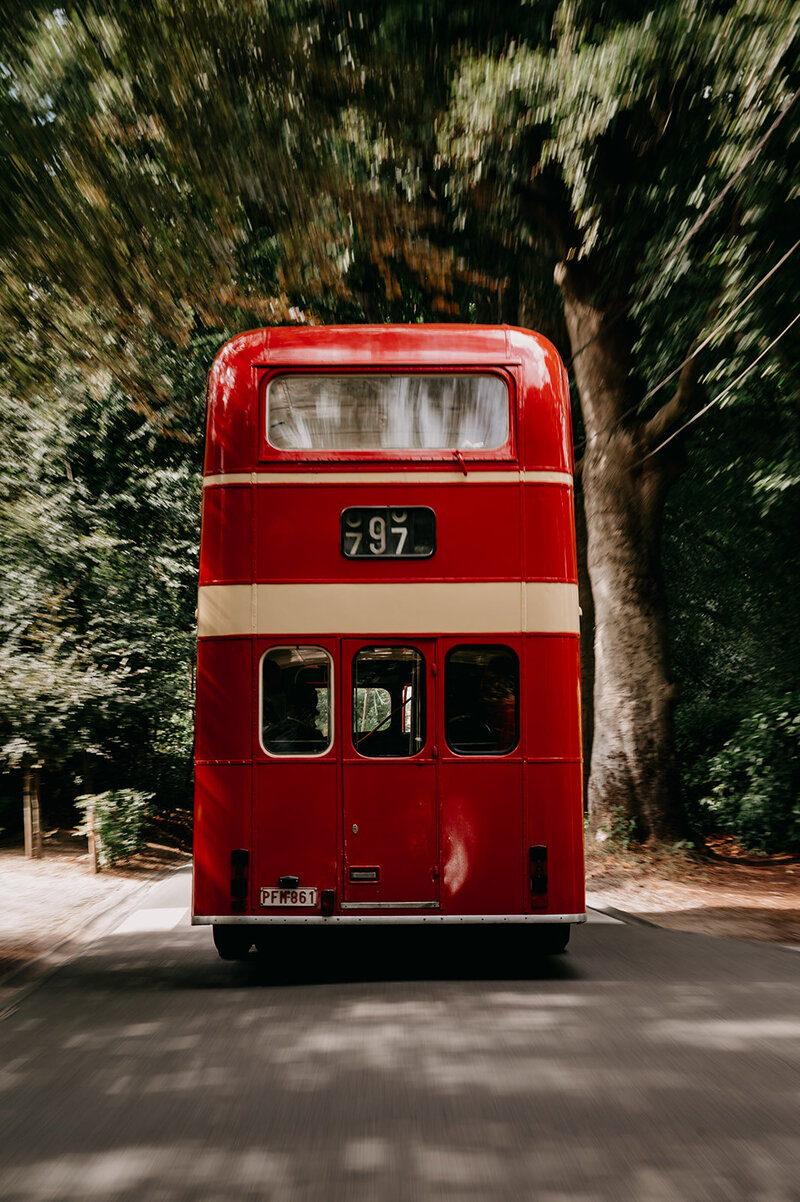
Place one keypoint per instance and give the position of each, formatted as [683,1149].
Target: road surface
[409,1064]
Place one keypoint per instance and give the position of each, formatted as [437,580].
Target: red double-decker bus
[388,713]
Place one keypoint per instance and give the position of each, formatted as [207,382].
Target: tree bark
[31,814]
[633,779]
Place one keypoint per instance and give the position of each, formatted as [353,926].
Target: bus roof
[234,380]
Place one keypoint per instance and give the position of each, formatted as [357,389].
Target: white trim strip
[373,905]
[454,476]
[372,608]
[230,920]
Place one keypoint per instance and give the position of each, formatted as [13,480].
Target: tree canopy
[624,181]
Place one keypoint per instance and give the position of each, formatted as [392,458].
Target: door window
[388,701]
[481,700]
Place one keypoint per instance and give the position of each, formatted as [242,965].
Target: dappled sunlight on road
[642,1066]
[371,1169]
[730,1035]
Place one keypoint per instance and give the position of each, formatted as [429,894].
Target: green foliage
[98,550]
[622,831]
[732,564]
[119,818]
[604,144]
[755,779]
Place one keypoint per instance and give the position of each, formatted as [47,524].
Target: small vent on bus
[360,876]
[537,860]
[240,873]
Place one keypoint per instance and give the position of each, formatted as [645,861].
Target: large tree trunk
[633,766]
[633,776]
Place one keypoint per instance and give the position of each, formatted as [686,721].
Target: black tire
[552,940]
[232,943]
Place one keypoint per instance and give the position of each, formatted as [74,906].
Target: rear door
[389,775]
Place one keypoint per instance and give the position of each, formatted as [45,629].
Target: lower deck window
[296,701]
[481,700]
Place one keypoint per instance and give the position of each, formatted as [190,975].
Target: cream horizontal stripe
[546,478]
[451,477]
[450,607]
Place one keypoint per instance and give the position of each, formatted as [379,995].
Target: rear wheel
[232,943]
[551,940]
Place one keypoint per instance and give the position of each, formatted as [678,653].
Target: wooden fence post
[32,823]
[92,836]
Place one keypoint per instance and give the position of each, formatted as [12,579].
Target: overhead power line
[725,321]
[719,395]
[702,219]
[612,425]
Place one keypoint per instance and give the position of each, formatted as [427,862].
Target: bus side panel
[221,824]
[552,704]
[226,548]
[295,825]
[550,534]
[481,820]
[224,699]
[555,819]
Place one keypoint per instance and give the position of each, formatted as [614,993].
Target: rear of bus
[388,716]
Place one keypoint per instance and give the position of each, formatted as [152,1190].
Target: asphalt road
[412,1063]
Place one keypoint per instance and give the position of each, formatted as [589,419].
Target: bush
[120,817]
[755,780]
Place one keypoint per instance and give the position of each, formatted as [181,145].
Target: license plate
[288,897]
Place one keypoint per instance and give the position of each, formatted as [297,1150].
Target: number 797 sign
[370,532]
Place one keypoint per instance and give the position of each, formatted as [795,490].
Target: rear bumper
[248,920]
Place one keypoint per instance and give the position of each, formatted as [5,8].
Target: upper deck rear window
[387,412]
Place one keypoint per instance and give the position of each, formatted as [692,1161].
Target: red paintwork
[481,813]
[298,838]
[224,722]
[551,714]
[552,818]
[221,822]
[296,532]
[440,826]
[227,543]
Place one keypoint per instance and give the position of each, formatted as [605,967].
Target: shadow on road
[352,955]
[314,957]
